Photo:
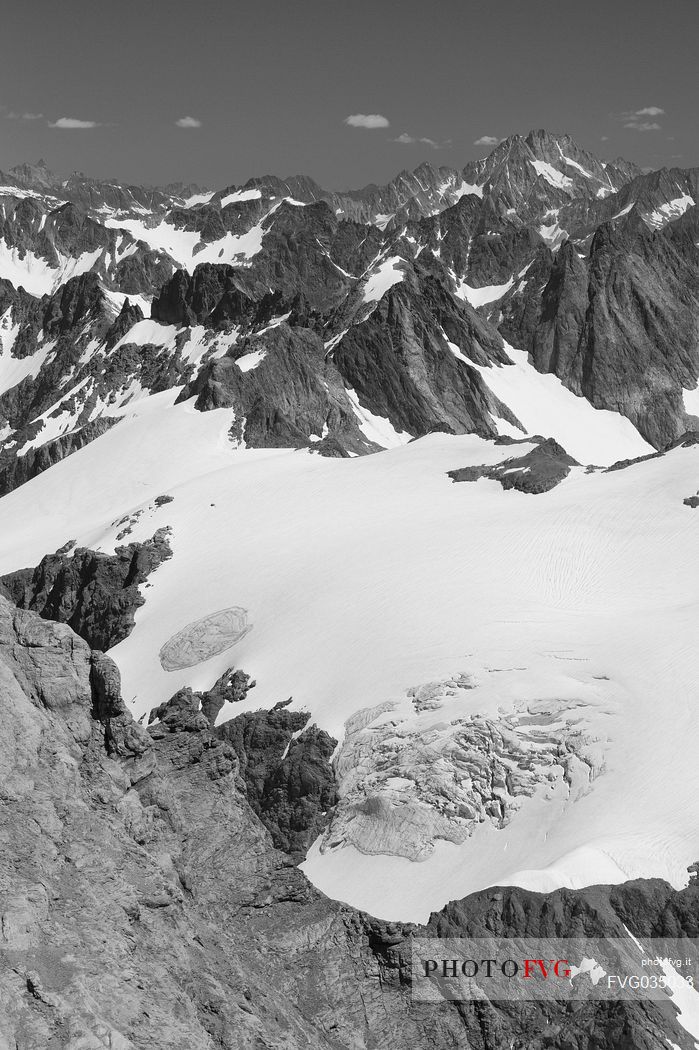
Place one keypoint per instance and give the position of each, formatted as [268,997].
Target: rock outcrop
[96,594]
[537,471]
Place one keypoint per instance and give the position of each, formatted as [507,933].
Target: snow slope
[365,577]
[545,406]
[389,272]
[186,246]
[35,274]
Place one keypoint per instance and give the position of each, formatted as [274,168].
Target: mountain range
[348,595]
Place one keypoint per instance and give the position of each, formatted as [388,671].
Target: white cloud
[643,125]
[25,116]
[408,140]
[487,140]
[367,120]
[188,122]
[637,118]
[73,122]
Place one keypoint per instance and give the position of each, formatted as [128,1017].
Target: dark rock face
[128,317]
[194,711]
[282,764]
[181,713]
[212,295]
[399,363]
[535,472]
[285,765]
[620,327]
[124,740]
[290,399]
[645,907]
[96,594]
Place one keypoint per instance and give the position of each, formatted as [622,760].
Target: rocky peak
[31,176]
[541,170]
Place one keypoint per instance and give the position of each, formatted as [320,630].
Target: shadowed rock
[96,594]
[535,472]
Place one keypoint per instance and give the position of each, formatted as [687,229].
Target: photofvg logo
[460,969]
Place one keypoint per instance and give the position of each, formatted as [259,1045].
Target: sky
[216,91]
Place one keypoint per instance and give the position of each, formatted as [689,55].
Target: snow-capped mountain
[345,309]
[421,457]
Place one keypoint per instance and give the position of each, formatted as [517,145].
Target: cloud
[487,140]
[367,120]
[188,122]
[73,122]
[25,116]
[637,120]
[409,140]
[643,125]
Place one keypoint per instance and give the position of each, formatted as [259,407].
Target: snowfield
[389,272]
[572,617]
[186,247]
[545,406]
[34,273]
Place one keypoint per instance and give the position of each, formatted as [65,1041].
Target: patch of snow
[685,998]
[248,362]
[574,164]
[186,247]
[274,323]
[624,211]
[240,195]
[552,176]
[198,198]
[8,332]
[332,343]
[554,235]
[467,188]
[148,332]
[54,423]
[124,248]
[14,369]
[18,191]
[691,401]
[117,300]
[36,275]
[91,348]
[390,272]
[204,344]
[489,293]
[671,210]
[377,428]
[382,221]
[545,406]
